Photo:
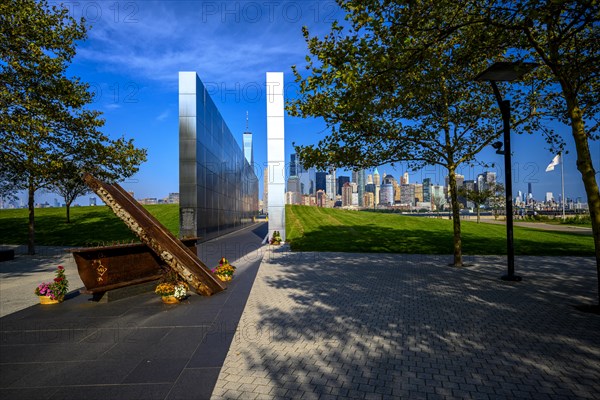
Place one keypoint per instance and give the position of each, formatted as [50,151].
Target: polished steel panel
[215,180]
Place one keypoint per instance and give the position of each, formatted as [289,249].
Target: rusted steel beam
[157,237]
[110,267]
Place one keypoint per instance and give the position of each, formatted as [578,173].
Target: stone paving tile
[331,325]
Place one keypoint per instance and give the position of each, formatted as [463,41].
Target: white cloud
[163,115]
[222,41]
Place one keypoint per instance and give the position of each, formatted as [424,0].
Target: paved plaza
[320,326]
[371,326]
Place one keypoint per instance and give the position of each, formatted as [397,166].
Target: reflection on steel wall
[218,189]
[275,153]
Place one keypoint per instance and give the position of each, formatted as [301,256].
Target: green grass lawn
[325,229]
[90,226]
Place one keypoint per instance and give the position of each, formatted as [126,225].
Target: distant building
[293,198]
[172,198]
[418,192]
[92,201]
[293,184]
[427,190]
[377,183]
[346,195]
[148,201]
[404,179]
[408,194]
[320,181]
[321,198]
[486,180]
[330,186]
[307,180]
[386,195]
[340,183]
[368,200]
[360,182]
[294,165]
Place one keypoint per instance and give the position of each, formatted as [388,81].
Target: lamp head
[498,147]
[506,71]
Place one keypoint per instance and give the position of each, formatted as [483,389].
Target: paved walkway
[333,326]
[134,348]
[19,277]
[320,326]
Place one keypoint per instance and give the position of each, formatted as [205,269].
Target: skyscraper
[427,189]
[294,165]
[404,180]
[248,150]
[330,186]
[485,180]
[376,182]
[346,194]
[320,181]
[360,182]
[387,191]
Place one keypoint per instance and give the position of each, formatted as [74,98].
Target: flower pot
[170,299]
[225,278]
[48,300]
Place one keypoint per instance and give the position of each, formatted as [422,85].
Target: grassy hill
[325,229]
[89,225]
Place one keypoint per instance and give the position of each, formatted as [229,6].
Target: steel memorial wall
[218,189]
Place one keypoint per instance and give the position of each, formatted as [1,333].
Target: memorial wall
[218,189]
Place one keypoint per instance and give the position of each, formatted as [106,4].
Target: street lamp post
[506,72]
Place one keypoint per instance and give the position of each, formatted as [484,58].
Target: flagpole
[562,183]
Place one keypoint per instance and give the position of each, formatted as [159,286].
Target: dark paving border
[135,348]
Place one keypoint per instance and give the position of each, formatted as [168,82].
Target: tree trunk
[68,205]
[458,262]
[31,206]
[588,175]
[478,214]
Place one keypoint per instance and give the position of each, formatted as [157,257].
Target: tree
[392,90]
[480,196]
[44,119]
[498,200]
[564,37]
[114,161]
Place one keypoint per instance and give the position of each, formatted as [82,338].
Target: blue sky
[136,48]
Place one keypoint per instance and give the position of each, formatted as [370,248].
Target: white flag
[554,163]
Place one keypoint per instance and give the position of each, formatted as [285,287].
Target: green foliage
[48,133]
[90,226]
[326,229]
[393,85]
[57,289]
